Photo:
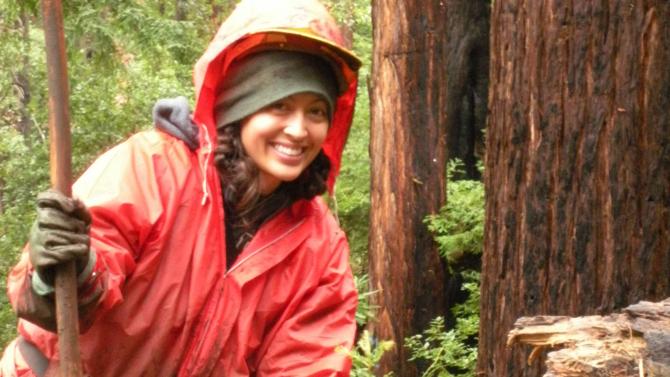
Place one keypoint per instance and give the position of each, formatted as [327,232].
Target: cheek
[320,134]
[252,131]
[245,140]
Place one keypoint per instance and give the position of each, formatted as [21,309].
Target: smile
[286,150]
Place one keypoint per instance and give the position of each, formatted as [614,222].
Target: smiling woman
[212,256]
[271,134]
[285,137]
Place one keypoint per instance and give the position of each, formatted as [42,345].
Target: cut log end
[633,343]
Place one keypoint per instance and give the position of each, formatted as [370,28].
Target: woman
[222,261]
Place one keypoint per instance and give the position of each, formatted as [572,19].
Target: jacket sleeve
[306,343]
[121,193]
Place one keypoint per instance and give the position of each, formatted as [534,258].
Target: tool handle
[61,180]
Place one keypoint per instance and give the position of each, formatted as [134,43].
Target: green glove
[60,234]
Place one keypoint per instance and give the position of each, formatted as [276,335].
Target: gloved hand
[59,234]
[173,116]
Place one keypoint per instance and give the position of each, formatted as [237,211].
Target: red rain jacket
[168,306]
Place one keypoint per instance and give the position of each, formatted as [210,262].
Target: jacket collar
[274,241]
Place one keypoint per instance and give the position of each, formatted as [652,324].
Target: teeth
[288,150]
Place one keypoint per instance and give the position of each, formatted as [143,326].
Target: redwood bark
[408,163]
[577,165]
[467,59]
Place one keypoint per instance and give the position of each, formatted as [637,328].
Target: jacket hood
[297,25]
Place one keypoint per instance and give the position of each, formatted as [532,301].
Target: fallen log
[633,343]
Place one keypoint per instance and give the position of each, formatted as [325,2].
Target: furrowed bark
[408,157]
[577,165]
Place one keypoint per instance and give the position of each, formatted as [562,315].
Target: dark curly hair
[246,209]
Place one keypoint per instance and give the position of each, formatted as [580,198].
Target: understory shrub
[458,229]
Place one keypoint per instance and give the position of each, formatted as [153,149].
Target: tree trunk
[467,59]
[408,168]
[467,54]
[20,78]
[577,165]
[179,10]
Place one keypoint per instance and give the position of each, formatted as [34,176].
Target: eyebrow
[319,99]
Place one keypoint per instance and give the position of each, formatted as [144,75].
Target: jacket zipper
[193,352]
[262,248]
[194,348]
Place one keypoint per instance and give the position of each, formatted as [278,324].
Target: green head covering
[266,77]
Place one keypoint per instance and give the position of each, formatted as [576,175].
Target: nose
[296,126]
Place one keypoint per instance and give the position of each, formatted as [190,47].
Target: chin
[287,174]
[288,178]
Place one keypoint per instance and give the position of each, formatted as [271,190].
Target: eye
[318,112]
[280,106]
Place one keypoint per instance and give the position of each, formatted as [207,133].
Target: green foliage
[356,15]
[449,352]
[459,226]
[122,57]
[352,193]
[467,313]
[367,354]
[119,69]
[365,311]
[458,230]
[22,174]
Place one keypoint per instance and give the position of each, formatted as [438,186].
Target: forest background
[122,57]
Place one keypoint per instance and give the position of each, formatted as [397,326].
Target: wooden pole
[61,180]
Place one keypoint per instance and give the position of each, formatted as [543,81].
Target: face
[285,137]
